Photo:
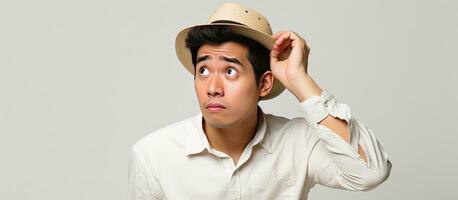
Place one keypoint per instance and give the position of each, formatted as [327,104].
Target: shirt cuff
[316,108]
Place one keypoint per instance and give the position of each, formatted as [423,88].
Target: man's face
[225,84]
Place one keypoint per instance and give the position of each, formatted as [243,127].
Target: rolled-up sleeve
[142,183]
[335,163]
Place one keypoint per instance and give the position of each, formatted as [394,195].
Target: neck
[233,140]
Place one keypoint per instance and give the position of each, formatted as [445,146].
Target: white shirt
[284,160]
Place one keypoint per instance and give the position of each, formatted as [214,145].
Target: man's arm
[289,60]
[335,161]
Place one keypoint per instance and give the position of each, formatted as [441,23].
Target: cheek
[200,90]
[241,91]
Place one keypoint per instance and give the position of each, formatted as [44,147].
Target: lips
[215,106]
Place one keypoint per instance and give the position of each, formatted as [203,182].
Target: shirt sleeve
[142,184]
[336,163]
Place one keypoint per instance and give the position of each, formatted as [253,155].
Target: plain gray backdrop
[82,81]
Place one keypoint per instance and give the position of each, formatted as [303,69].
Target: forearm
[306,87]
[341,128]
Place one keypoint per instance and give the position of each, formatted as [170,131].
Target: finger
[289,38]
[273,56]
[284,46]
[274,52]
[282,37]
[295,36]
[284,42]
[275,36]
[292,34]
[277,50]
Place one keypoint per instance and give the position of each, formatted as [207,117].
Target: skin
[233,85]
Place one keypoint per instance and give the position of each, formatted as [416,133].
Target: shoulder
[293,130]
[165,138]
[281,123]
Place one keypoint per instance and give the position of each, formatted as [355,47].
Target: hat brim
[185,57]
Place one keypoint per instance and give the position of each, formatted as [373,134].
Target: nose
[215,87]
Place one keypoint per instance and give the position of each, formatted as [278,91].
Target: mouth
[215,107]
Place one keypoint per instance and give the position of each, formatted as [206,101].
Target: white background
[82,81]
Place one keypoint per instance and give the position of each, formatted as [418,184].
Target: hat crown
[243,15]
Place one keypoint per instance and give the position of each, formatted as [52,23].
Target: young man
[231,149]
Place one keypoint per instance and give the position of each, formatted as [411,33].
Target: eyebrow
[227,59]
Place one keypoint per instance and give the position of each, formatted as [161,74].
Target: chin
[218,122]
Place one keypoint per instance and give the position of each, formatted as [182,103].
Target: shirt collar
[196,141]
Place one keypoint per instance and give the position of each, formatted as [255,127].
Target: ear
[265,83]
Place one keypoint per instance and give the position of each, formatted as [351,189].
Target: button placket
[234,190]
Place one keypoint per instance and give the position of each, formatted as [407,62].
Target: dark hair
[258,55]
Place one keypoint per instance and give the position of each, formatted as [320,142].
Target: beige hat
[250,24]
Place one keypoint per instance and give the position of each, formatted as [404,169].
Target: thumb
[274,56]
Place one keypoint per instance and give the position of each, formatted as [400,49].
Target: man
[231,149]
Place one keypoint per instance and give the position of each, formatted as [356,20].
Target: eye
[231,71]
[203,71]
